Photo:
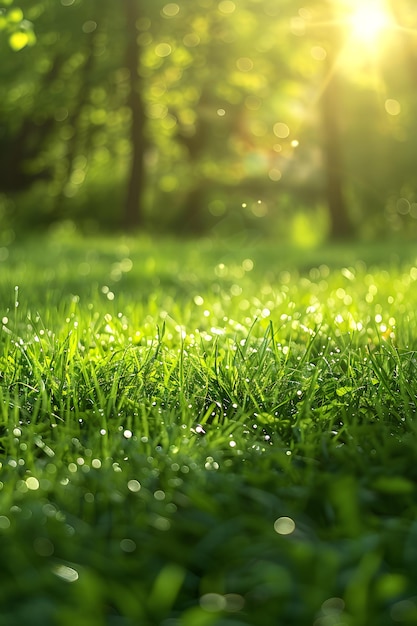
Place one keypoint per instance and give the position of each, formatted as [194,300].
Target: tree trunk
[340,225]
[27,143]
[133,212]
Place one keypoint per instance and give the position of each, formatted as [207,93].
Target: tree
[158,114]
[133,215]
[331,112]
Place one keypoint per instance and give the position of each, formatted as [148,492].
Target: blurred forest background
[204,116]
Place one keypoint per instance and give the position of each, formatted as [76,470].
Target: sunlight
[369,22]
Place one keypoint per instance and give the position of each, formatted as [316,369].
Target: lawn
[207,433]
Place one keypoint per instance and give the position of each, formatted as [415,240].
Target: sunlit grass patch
[206,434]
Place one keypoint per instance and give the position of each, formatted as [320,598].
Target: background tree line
[193,116]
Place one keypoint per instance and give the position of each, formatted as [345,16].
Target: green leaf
[394,485]
[19,40]
[15,16]
[266,418]
[342,391]
[166,587]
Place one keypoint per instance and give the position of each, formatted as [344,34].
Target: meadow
[211,433]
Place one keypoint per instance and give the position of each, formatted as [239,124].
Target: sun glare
[369,22]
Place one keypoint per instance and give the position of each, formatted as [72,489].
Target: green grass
[207,434]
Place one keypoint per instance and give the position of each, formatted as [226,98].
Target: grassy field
[207,434]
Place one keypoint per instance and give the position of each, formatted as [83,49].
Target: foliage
[229,106]
[20,31]
[221,434]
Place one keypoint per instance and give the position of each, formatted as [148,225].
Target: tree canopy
[228,114]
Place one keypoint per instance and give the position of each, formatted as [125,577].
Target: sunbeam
[369,23]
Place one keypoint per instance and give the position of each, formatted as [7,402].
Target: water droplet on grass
[69,574]
[284,525]
[134,486]
[32,483]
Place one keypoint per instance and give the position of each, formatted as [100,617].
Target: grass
[211,434]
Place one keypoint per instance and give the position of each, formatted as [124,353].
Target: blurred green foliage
[18,30]
[279,117]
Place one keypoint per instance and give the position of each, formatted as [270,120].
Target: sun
[369,21]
